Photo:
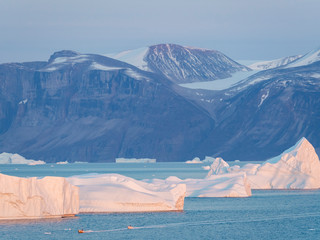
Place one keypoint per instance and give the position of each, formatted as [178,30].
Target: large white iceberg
[117,193]
[222,185]
[296,168]
[37,198]
[10,158]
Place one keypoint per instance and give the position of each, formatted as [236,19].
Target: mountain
[86,107]
[309,58]
[264,65]
[264,114]
[182,64]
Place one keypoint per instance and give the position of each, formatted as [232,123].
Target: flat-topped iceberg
[296,168]
[117,193]
[223,185]
[10,158]
[135,160]
[37,198]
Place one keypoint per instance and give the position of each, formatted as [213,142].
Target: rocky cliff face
[92,108]
[265,114]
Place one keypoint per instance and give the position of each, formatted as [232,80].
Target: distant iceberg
[296,168]
[135,160]
[205,160]
[10,158]
[37,198]
[195,160]
[64,162]
[117,193]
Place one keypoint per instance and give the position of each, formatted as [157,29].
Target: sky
[242,29]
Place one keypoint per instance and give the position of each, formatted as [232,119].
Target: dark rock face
[185,65]
[267,114]
[92,108]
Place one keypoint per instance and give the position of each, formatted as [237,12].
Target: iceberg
[62,163]
[117,193]
[222,185]
[218,166]
[296,168]
[24,198]
[10,158]
[195,160]
[135,160]
[205,160]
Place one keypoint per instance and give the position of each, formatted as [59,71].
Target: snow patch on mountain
[97,66]
[264,65]
[309,58]
[220,84]
[263,97]
[59,62]
[134,57]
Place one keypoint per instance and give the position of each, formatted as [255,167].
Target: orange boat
[130,227]
[80,231]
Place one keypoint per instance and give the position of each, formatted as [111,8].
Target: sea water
[270,214]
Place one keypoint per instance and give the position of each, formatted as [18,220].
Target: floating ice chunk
[37,198]
[63,162]
[135,160]
[195,160]
[117,193]
[205,160]
[10,158]
[219,166]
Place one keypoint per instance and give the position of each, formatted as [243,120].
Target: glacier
[25,198]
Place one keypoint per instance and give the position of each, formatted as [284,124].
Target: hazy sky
[242,29]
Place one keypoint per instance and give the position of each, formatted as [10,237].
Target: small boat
[80,231]
[130,227]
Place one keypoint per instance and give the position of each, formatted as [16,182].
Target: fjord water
[266,215]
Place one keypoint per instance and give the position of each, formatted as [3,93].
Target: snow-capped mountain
[182,64]
[264,65]
[309,58]
[264,114]
[87,107]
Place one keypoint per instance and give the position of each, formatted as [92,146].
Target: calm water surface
[265,215]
